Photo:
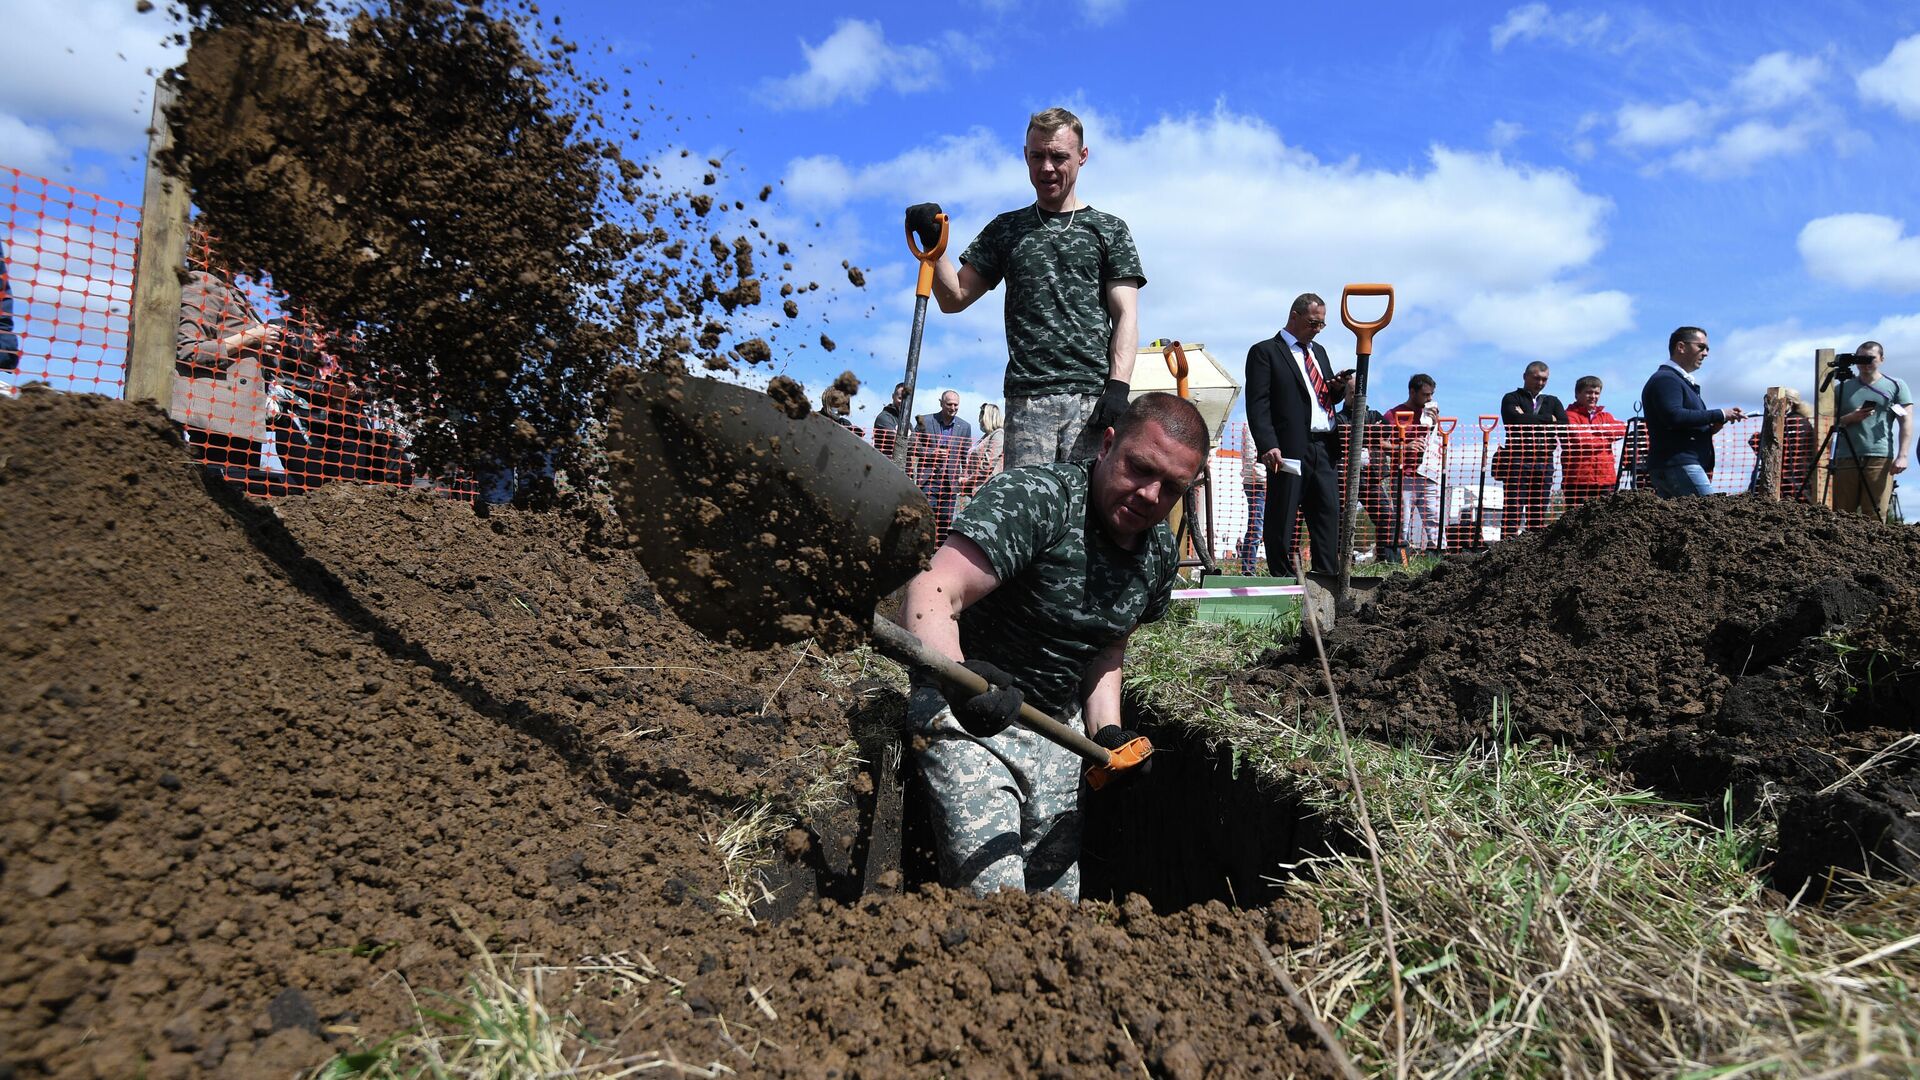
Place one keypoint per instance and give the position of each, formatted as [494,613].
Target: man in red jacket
[1587,469]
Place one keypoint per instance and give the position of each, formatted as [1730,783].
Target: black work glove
[1114,737]
[1111,406]
[986,714]
[920,218]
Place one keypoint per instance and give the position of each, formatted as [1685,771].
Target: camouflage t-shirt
[1066,591]
[1055,265]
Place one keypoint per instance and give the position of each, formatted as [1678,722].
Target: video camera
[1843,362]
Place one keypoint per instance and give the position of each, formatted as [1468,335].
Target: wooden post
[164,208]
[1773,434]
[1823,413]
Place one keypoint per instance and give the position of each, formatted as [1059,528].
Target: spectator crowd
[1553,457]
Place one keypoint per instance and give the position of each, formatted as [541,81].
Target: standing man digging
[1037,589]
[1073,289]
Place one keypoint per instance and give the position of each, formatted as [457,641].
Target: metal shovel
[1363,350]
[760,529]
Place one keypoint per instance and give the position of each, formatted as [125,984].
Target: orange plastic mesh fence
[263,395]
[67,285]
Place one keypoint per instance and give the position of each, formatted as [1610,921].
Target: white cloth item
[1432,461]
[1321,422]
[1420,512]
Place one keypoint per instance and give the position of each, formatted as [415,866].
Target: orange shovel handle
[1176,358]
[928,258]
[1129,756]
[1364,331]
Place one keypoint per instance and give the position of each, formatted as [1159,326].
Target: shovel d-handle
[928,258]
[897,642]
[1176,358]
[1447,424]
[1363,331]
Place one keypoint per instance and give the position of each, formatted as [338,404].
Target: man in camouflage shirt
[1073,291]
[1038,587]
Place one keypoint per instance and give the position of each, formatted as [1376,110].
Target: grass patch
[745,842]
[1550,921]
[497,1026]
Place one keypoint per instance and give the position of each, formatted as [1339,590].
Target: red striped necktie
[1319,381]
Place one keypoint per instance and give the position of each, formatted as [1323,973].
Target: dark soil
[1689,642]
[257,761]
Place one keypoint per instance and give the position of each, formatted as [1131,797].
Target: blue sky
[1564,182]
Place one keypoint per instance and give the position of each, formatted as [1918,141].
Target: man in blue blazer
[1680,427]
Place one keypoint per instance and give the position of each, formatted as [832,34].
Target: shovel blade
[758,529]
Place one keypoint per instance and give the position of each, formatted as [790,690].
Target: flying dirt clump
[755,351]
[790,396]
[437,187]
[838,397]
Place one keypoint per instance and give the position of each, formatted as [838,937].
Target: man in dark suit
[939,454]
[1292,394]
[1530,417]
[1680,427]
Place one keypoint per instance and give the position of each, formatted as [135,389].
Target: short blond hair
[1052,120]
[990,421]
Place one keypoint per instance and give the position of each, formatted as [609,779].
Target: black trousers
[1317,492]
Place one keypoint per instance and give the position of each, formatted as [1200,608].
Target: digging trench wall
[1199,828]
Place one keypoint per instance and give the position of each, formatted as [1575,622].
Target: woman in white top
[988,456]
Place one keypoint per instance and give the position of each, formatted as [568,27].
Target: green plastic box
[1245,608]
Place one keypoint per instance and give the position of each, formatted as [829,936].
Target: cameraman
[1868,454]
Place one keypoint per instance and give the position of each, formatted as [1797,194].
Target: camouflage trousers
[1006,809]
[1050,427]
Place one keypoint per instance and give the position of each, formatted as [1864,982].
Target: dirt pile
[1702,644]
[256,761]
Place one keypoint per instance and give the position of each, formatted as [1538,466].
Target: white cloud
[1504,133]
[971,168]
[1464,232]
[1775,109]
[1538,22]
[1862,251]
[1895,81]
[1778,78]
[1551,320]
[1738,149]
[1662,125]
[28,147]
[1102,11]
[92,90]
[851,63]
